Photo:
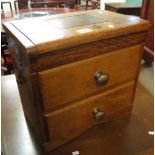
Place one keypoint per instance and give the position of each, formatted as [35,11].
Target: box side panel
[20,48]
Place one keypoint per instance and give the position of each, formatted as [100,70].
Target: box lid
[72,29]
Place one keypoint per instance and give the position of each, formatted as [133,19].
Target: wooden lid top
[125,5]
[71,29]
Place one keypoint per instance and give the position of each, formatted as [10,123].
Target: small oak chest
[75,70]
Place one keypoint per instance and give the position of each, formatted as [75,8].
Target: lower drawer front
[69,122]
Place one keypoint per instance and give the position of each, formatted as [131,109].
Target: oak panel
[62,85]
[77,53]
[60,63]
[47,36]
[67,123]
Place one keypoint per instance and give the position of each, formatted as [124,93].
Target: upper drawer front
[67,123]
[73,81]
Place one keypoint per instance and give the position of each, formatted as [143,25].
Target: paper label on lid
[86,30]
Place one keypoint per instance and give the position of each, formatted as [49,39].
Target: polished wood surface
[128,8]
[9,16]
[147,12]
[59,32]
[62,57]
[75,81]
[26,84]
[127,136]
[125,5]
[53,3]
[21,4]
[53,88]
[114,104]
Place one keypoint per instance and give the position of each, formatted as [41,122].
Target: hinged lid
[72,29]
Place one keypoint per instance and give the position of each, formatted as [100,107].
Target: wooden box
[75,70]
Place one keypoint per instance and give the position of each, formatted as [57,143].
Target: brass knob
[101,78]
[98,114]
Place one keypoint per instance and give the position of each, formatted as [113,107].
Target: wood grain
[147,12]
[50,37]
[62,128]
[19,37]
[61,57]
[62,85]
[58,67]
[126,136]
[127,8]
[26,88]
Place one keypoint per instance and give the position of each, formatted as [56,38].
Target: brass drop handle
[101,78]
[98,114]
